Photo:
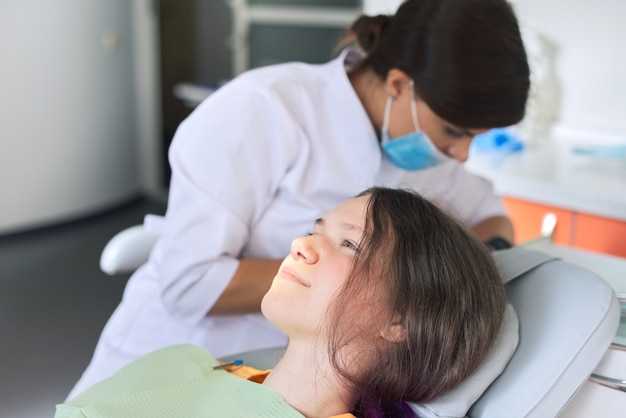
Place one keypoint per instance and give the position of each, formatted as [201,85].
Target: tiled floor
[54,301]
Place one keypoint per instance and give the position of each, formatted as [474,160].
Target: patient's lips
[290,274]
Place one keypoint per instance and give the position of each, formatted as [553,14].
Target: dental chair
[564,316]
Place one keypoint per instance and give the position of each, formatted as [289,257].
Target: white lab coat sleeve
[465,195]
[489,207]
[228,158]
[482,203]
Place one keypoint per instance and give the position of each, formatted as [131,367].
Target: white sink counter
[552,174]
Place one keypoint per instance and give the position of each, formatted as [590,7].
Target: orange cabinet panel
[527,218]
[604,235]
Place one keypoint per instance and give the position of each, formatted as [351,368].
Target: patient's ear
[394,332]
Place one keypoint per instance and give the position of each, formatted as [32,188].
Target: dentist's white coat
[252,167]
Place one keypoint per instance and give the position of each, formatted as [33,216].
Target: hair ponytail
[365,34]
[368,31]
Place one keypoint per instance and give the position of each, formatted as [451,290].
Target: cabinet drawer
[603,235]
[527,218]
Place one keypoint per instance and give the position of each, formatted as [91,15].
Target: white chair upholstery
[130,248]
[567,316]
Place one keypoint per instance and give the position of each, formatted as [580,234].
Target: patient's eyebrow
[345,225]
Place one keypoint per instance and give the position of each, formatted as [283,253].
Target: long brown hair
[466,57]
[429,272]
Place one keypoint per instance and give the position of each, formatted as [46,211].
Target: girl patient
[387,300]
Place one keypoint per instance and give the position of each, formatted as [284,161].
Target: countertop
[551,174]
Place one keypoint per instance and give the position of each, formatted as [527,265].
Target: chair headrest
[458,401]
[568,317]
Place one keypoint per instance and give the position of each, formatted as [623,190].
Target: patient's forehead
[350,213]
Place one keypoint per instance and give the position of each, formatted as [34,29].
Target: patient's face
[315,270]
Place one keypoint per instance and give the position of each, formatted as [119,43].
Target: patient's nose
[302,249]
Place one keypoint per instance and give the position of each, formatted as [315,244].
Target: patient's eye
[349,244]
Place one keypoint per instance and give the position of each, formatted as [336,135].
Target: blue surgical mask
[414,151]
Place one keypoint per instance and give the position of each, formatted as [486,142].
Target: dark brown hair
[466,57]
[430,273]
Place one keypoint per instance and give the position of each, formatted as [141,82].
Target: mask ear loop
[416,123]
[414,109]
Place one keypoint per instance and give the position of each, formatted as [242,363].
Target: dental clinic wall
[70,127]
[581,43]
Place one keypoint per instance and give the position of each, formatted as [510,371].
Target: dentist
[279,146]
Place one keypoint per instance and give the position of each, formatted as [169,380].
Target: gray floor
[54,301]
